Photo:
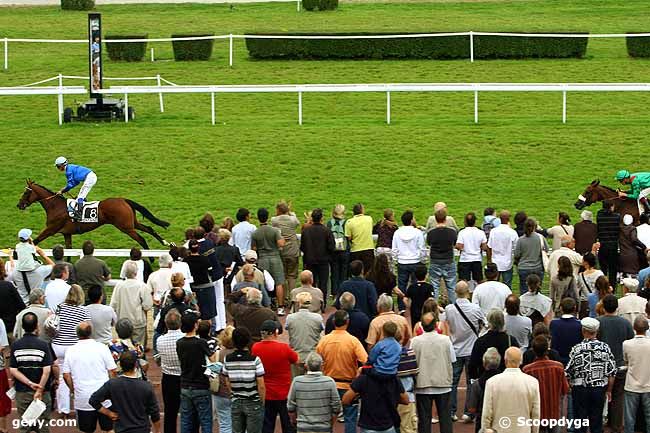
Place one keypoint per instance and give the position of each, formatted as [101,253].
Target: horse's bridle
[41,199]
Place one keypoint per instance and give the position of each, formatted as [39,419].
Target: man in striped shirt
[245,374]
[171,369]
[313,401]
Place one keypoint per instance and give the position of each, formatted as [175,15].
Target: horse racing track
[520,155]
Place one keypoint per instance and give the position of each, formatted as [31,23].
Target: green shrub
[127,51]
[328,5]
[517,47]
[193,50]
[638,46]
[447,47]
[310,5]
[77,5]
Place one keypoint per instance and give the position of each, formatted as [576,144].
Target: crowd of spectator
[417,308]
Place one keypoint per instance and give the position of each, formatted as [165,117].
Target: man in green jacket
[640,186]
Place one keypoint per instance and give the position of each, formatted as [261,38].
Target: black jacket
[317,244]
[609,227]
[499,340]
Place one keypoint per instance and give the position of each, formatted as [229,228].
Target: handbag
[545,259]
[51,323]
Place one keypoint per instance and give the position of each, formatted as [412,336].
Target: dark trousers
[273,408]
[608,260]
[616,411]
[339,266]
[588,403]
[405,278]
[171,394]
[424,405]
[321,273]
[366,256]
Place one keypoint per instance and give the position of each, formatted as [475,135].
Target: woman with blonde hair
[221,400]
[71,313]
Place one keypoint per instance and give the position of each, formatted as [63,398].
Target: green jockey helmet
[622,174]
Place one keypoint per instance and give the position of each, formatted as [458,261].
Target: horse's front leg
[68,240]
[46,233]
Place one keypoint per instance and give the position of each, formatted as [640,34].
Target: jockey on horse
[640,184]
[76,174]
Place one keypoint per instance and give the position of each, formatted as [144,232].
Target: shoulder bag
[51,323]
[464,316]
[545,259]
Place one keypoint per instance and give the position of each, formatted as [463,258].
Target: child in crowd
[204,333]
[385,355]
[418,293]
[490,220]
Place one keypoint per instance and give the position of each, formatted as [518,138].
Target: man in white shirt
[643,229]
[102,317]
[408,249]
[501,244]
[567,249]
[463,333]
[242,232]
[637,384]
[631,304]
[491,294]
[510,396]
[57,290]
[471,243]
[87,366]
[160,281]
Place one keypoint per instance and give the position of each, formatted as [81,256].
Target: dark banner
[95,53]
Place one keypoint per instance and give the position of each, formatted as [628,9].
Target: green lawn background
[520,156]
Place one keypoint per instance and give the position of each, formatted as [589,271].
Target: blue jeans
[196,405]
[247,415]
[405,277]
[524,273]
[506,277]
[632,402]
[349,415]
[446,271]
[588,403]
[390,430]
[223,407]
[462,362]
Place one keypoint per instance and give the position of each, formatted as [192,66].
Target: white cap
[587,215]
[25,234]
[590,324]
[60,161]
[627,219]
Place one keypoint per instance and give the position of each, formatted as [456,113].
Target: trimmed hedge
[193,50]
[77,5]
[126,51]
[447,47]
[638,46]
[323,5]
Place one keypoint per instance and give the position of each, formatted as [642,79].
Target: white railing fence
[231,37]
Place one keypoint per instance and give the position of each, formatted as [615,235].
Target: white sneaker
[434,420]
[454,418]
[280,311]
[467,419]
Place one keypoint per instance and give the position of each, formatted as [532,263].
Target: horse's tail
[145,213]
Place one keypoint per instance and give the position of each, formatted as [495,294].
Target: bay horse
[596,192]
[119,212]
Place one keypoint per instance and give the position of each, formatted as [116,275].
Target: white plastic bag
[34,411]
[11,393]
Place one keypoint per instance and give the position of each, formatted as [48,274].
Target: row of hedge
[135,51]
[447,47]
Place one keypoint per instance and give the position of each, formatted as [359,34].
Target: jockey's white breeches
[91,180]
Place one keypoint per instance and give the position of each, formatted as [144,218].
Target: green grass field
[520,156]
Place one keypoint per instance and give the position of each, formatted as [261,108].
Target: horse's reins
[44,198]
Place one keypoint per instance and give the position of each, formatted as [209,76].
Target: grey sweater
[528,252]
[315,399]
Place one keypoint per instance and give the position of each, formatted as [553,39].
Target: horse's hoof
[165,243]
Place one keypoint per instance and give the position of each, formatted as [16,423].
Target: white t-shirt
[55,293]
[502,243]
[491,294]
[88,362]
[139,264]
[241,236]
[471,238]
[183,268]
[160,282]
[643,233]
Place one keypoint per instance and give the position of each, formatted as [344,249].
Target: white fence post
[126,108]
[388,107]
[160,95]
[230,54]
[475,106]
[298,5]
[6,53]
[213,117]
[471,46]
[152,58]
[60,99]
[299,108]
[564,106]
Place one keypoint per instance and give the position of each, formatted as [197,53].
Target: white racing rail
[299,89]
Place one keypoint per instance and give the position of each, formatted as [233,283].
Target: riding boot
[77,211]
[646,205]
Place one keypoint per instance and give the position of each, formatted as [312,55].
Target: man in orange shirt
[342,355]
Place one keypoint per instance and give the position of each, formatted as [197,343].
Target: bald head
[513,357]
[462,289]
[84,330]
[306,278]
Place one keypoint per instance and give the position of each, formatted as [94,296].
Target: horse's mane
[45,188]
[607,188]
